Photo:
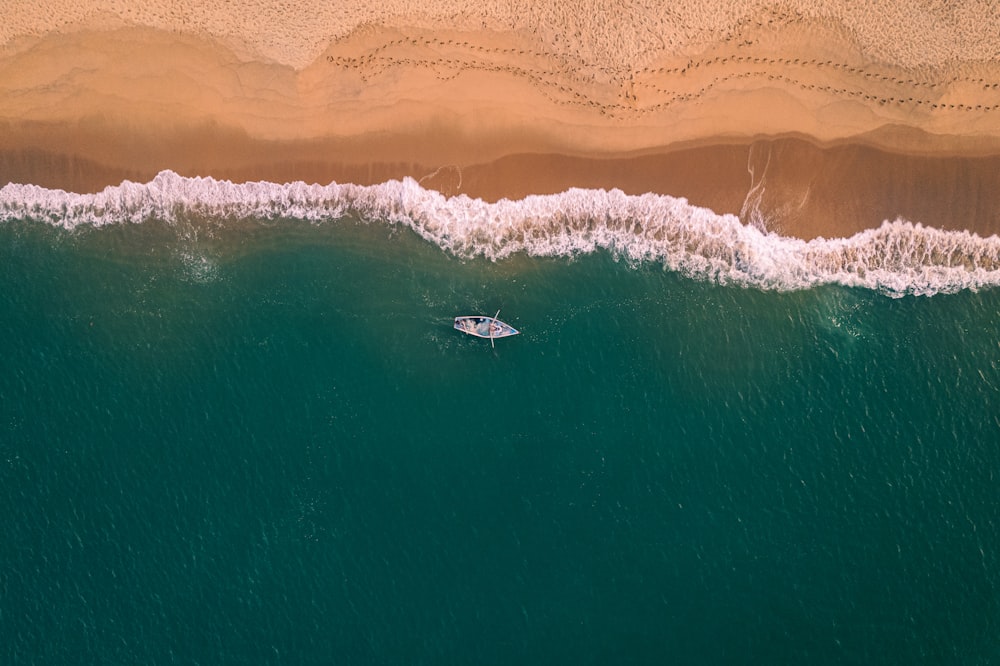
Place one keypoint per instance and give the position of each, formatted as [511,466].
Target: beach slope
[807,121]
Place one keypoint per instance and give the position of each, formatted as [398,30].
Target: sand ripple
[622,33]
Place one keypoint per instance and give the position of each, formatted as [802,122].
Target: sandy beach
[768,112]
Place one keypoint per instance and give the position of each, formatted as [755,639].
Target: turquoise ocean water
[247,434]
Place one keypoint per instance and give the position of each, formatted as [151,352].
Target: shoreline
[803,146]
[808,190]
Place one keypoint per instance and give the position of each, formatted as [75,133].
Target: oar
[493,344]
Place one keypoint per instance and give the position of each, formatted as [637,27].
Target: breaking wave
[896,259]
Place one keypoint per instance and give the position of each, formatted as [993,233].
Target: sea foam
[896,259]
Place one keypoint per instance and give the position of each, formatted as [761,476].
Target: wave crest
[898,258]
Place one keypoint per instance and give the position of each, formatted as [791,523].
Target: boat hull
[484,327]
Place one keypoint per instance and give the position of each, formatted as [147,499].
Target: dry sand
[848,113]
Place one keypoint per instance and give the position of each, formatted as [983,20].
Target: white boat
[482,326]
